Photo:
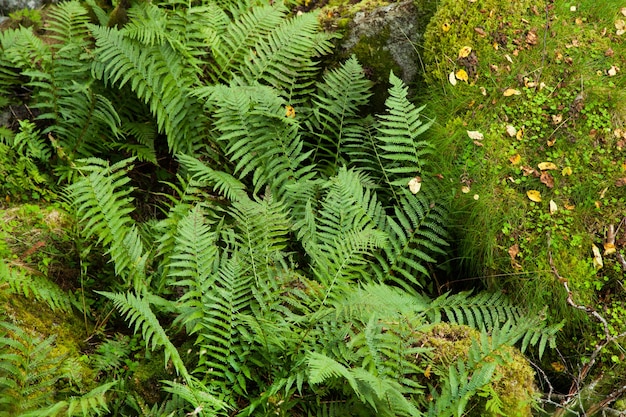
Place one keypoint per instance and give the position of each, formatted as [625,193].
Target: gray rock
[8,6]
[395,28]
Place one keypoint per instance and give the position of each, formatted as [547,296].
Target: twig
[577,382]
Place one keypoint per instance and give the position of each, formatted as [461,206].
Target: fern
[335,119]
[15,281]
[258,137]
[92,403]
[138,313]
[103,205]
[28,371]
[158,77]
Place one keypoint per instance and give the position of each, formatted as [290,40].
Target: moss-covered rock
[513,387]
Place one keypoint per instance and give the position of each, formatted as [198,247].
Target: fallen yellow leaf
[566,171]
[462,75]
[445,27]
[465,189]
[465,51]
[515,159]
[546,165]
[597,257]
[520,134]
[569,206]
[534,195]
[290,112]
[511,92]
[609,248]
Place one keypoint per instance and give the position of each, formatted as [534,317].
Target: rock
[9,6]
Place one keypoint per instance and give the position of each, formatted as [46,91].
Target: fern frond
[258,137]
[18,282]
[285,60]
[197,395]
[28,371]
[140,316]
[158,76]
[103,205]
[92,403]
[233,44]
[335,115]
[221,181]
[416,235]
[222,356]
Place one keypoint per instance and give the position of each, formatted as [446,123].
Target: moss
[515,383]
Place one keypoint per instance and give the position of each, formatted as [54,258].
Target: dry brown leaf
[547,179]
[481,32]
[513,251]
[528,170]
[557,118]
[620,182]
[511,92]
[612,72]
[534,195]
[623,11]
[478,143]
[546,165]
[551,142]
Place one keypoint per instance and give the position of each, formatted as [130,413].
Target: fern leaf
[103,206]
[222,182]
[139,314]
[40,288]
[197,395]
[157,75]
[285,59]
[234,43]
[336,111]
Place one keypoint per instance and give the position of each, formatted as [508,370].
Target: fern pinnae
[140,316]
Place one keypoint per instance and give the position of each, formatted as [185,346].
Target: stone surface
[8,6]
[389,31]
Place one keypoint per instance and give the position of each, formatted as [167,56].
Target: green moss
[514,385]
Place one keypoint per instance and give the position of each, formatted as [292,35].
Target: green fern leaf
[139,314]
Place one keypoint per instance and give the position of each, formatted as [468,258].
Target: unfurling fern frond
[103,205]
[140,316]
[335,120]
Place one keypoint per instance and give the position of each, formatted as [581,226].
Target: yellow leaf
[515,159]
[547,165]
[569,206]
[415,185]
[511,92]
[475,135]
[427,371]
[452,78]
[465,51]
[462,75]
[609,248]
[566,171]
[465,189]
[534,195]
[290,112]
[520,134]
[597,257]
[445,27]
[558,366]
